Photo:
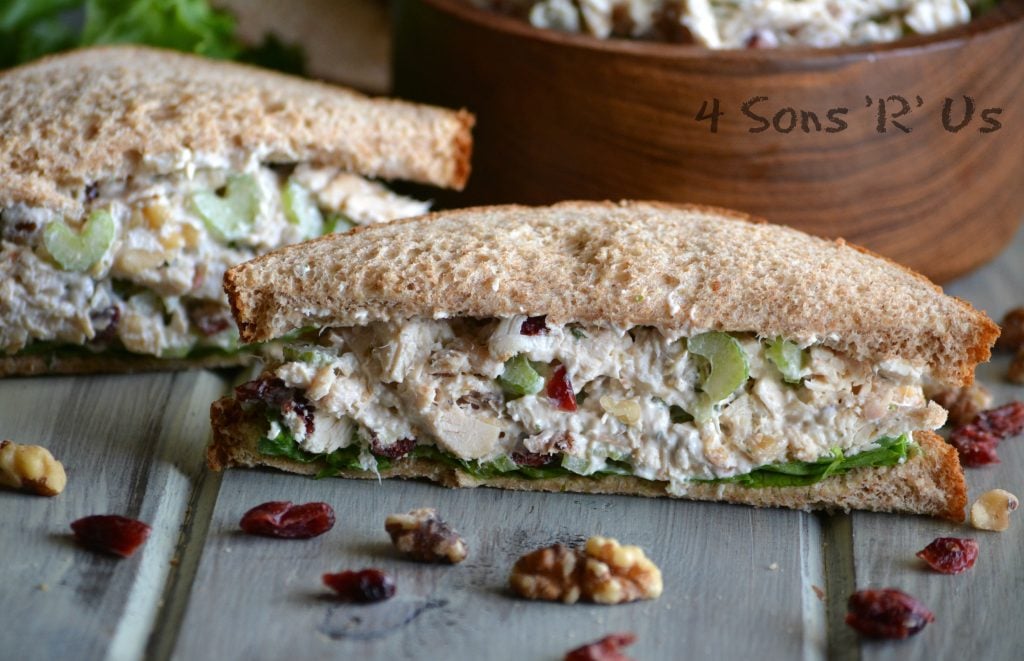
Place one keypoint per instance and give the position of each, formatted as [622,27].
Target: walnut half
[603,571]
[30,468]
[424,536]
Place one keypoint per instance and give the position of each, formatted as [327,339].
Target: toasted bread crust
[930,483]
[683,268]
[102,113]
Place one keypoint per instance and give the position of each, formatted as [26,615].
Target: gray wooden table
[740,583]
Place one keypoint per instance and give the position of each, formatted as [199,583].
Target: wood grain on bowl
[563,116]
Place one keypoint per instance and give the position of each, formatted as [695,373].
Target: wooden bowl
[564,116]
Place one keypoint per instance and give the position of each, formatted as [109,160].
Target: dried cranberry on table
[396,450]
[534,326]
[560,390]
[363,586]
[976,442]
[110,533]
[886,613]
[606,649]
[287,521]
[950,555]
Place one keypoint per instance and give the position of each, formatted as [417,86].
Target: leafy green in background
[32,28]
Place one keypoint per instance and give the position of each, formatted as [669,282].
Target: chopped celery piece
[786,356]
[77,252]
[578,465]
[729,366]
[503,464]
[301,209]
[337,222]
[231,217]
[176,352]
[519,378]
[577,332]
[305,353]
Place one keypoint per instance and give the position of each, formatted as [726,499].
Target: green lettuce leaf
[32,28]
[890,452]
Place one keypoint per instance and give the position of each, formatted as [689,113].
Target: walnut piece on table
[1011,336]
[992,510]
[603,571]
[30,468]
[424,536]
[964,404]
[1015,374]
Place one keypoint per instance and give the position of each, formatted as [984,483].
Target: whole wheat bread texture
[930,482]
[100,113]
[684,268]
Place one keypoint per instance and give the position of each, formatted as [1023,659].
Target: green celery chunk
[787,357]
[337,222]
[578,465]
[77,252]
[301,209]
[231,217]
[503,464]
[729,366]
[520,378]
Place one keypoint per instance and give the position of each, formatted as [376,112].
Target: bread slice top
[678,268]
[102,113]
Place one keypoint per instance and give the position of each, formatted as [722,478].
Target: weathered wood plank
[131,445]
[732,576]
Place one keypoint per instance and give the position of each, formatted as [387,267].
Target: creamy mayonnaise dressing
[435,381]
[158,287]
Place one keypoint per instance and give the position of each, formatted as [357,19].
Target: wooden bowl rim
[1006,13]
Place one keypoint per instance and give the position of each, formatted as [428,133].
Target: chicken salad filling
[142,272]
[521,396]
[736,24]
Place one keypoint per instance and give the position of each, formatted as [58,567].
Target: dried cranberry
[302,409]
[282,519]
[886,613]
[209,317]
[275,394]
[534,326]
[560,390]
[976,442]
[107,320]
[364,586]
[396,450]
[269,390]
[110,533]
[606,649]
[532,459]
[950,555]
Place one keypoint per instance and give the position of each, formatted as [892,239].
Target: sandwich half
[631,348]
[132,178]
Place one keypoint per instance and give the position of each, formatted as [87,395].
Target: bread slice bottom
[108,363]
[931,482]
